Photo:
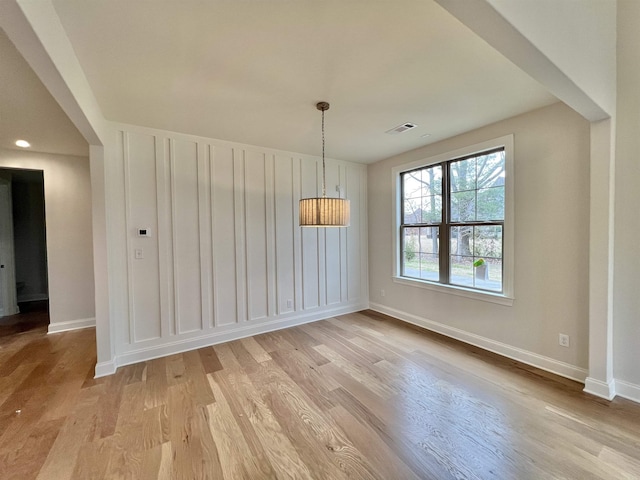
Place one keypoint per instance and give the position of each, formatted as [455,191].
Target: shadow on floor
[32,315]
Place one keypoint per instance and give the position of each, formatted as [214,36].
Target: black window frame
[446,224]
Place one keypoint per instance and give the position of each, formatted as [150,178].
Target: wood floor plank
[365,439]
[282,455]
[359,372]
[77,430]
[251,439]
[236,458]
[307,377]
[210,361]
[308,427]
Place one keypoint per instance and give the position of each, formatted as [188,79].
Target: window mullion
[444,226]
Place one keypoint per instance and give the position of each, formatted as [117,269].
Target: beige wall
[551,246]
[626,308]
[67,191]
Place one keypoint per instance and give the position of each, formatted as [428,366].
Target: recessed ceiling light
[23,143]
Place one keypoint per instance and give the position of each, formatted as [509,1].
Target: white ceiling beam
[483,19]
[36,31]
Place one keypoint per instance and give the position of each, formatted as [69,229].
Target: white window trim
[508,254]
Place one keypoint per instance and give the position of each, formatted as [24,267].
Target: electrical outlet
[138,253]
[289,303]
[382,293]
[563,340]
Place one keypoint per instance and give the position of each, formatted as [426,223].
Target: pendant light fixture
[324,211]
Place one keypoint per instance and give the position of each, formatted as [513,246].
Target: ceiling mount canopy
[324,211]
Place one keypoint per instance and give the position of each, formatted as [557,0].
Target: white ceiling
[251,71]
[29,112]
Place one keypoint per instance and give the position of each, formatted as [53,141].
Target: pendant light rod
[323,107]
[323,211]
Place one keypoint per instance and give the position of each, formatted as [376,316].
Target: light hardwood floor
[359,396]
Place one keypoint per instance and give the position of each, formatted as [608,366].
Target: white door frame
[8,296]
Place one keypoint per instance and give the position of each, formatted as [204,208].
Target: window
[455,220]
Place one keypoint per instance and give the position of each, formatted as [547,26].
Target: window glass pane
[411,185]
[490,179]
[490,170]
[412,210]
[463,175]
[487,257]
[431,210]
[490,203]
[476,257]
[422,202]
[410,252]
[420,253]
[463,206]
[461,270]
[461,241]
[431,180]
[489,275]
[487,241]
[429,267]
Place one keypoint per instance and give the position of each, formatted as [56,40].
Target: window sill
[497,298]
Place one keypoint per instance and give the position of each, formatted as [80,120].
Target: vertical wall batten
[344,233]
[203,245]
[321,236]
[270,235]
[240,226]
[162,235]
[213,295]
[127,222]
[298,297]
[174,257]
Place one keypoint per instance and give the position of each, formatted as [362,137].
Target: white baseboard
[599,388]
[71,325]
[242,331]
[627,390]
[530,358]
[105,368]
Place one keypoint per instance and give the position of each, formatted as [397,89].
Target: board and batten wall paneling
[332,250]
[309,238]
[141,200]
[186,235]
[256,229]
[223,233]
[285,228]
[225,257]
[356,271]
[206,237]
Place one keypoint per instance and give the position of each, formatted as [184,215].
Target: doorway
[24,291]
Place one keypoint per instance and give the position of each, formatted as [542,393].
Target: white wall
[226,254]
[551,246]
[67,191]
[627,226]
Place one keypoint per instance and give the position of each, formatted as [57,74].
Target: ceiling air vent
[401,128]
